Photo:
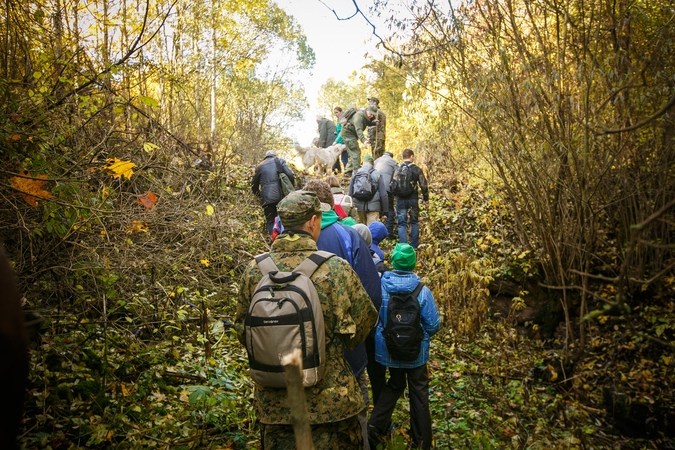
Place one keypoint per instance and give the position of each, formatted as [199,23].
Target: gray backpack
[285,314]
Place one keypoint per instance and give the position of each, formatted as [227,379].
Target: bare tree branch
[132,49]
[358,11]
[580,288]
[641,123]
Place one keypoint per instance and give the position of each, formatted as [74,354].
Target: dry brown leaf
[31,188]
[148,200]
[138,226]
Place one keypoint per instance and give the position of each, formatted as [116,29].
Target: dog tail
[300,149]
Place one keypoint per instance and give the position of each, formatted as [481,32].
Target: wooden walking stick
[296,400]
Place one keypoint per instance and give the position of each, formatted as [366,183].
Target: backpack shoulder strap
[313,262]
[277,163]
[418,289]
[265,264]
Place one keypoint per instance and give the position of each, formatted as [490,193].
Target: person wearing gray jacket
[326,132]
[386,165]
[371,210]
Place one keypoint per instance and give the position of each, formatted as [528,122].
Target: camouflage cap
[372,109]
[298,207]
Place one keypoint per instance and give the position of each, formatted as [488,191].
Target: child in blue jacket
[403,280]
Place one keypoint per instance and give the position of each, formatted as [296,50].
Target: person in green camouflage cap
[349,315]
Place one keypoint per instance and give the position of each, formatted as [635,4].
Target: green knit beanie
[403,257]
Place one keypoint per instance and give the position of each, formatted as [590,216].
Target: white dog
[320,158]
[308,154]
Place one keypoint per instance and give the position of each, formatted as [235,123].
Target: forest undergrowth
[137,349]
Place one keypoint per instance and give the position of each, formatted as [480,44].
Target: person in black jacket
[409,205]
[267,187]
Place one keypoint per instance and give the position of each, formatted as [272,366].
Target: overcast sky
[339,47]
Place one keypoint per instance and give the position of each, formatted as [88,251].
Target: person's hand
[366,142]
[384,216]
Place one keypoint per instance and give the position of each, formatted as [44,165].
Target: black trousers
[418,391]
[270,214]
[344,156]
[376,371]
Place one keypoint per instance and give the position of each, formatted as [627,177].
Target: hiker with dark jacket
[369,209]
[346,242]
[267,186]
[352,134]
[335,401]
[326,132]
[407,206]
[414,371]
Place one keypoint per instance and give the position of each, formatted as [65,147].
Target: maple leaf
[137,226]
[118,168]
[31,188]
[148,200]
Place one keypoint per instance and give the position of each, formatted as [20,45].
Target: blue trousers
[407,213]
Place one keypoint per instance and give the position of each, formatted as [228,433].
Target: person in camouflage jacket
[349,316]
[352,133]
[377,132]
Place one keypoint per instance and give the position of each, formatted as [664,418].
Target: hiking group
[380,189]
[325,289]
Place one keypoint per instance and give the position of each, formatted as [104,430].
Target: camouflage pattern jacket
[357,124]
[376,133]
[349,315]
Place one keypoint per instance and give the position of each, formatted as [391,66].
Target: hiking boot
[374,437]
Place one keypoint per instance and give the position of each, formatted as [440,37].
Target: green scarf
[328,218]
